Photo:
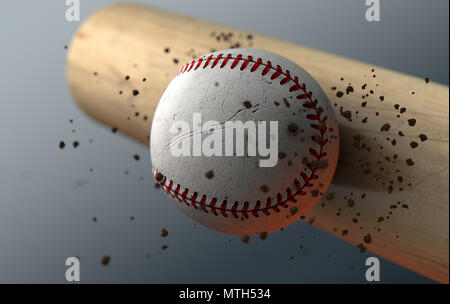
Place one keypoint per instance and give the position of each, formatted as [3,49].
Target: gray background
[48,196]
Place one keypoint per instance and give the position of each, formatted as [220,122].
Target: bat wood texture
[390,194]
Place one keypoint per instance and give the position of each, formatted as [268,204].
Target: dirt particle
[396,106]
[320,164]
[333,88]
[349,89]
[423,137]
[410,162]
[263,235]
[293,210]
[345,232]
[106,260]
[61,144]
[164,233]
[245,239]
[339,94]
[209,174]
[347,114]
[75,144]
[414,144]
[364,120]
[164,247]
[114,129]
[94,219]
[368,239]
[412,122]
[390,189]
[330,196]
[159,177]
[361,247]
[136,157]
[293,128]
[281,155]
[264,188]
[386,127]
[247,104]
[166,50]
[382,98]
[135,92]
[427,80]
[175,60]
[350,203]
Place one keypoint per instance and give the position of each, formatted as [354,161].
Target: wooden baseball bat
[390,194]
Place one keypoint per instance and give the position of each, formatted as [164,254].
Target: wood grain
[376,201]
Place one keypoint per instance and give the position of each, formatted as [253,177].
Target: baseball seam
[183,195]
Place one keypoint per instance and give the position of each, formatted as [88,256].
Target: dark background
[48,196]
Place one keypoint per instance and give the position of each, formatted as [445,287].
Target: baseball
[244,141]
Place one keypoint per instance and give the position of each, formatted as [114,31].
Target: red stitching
[256,65]
[212,205]
[236,61]
[202,203]
[277,73]
[193,200]
[245,209]
[216,60]
[199,63]
[223,207]
[267,68]
[308,103]
[207,61]
[224,63]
